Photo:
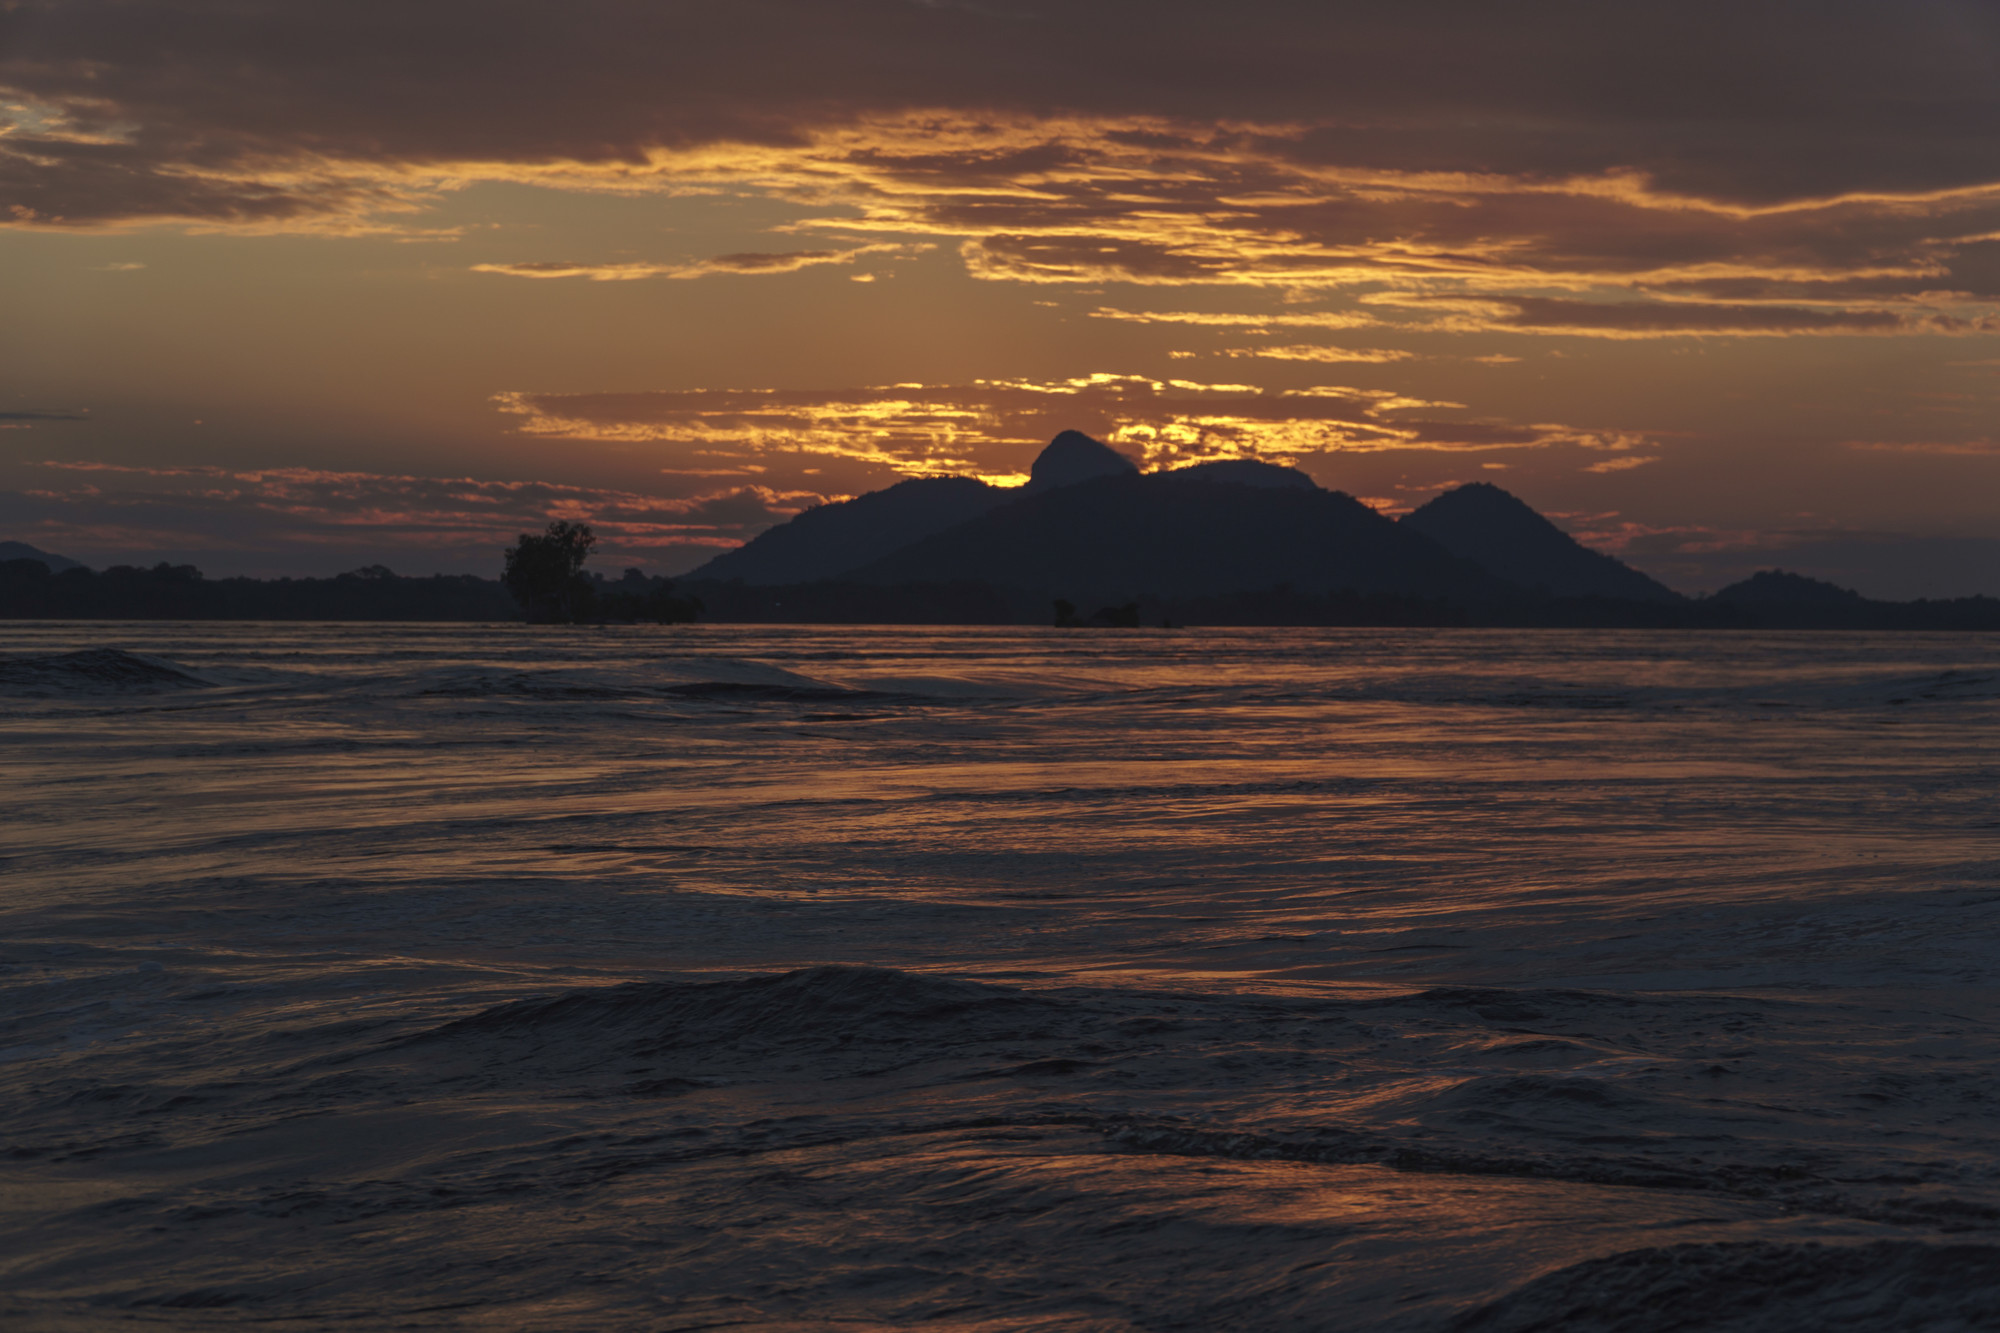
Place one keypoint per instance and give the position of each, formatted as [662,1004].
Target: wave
[700,678]
[739,675]
[729,689]
[988,685]
[94,671]
[1947,687]
[862,1005]
[1758,1287]
[750,678]
[488,682]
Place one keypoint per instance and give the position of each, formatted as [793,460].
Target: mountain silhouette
[831,539]
[1181,534]
[1249,472]
[1489,527]
[1227,542]
[1090,528]
[1777,588]
[1072,457]
[22,551]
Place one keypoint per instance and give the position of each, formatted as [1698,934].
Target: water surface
[676,978]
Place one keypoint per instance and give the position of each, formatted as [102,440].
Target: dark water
[463,977]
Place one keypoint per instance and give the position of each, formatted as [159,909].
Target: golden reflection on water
[1365,972]
[1278,807]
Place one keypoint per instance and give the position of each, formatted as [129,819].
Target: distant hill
[831,539]
[834,541]
[1179,534]
[1088,525]
[1776,588]
[1228,542]
[1491,528]
[1249,472]
[1775,599]
[22,551]
[1073,457]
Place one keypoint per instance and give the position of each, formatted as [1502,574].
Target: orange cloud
[751,262]
[1365,355]
[1150,200]
[1677,318]
[1623,463]
[1251,320]
[992,428]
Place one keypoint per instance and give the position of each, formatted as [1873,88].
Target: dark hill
[1073,457]
[22,551]
[1174,535]
[832,539]
[1249,472]
[1231,542]
[1776,588]
[1774,599]
[1491,528]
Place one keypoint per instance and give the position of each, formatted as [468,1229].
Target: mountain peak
[827,541]
[1490,527]
[1247,472]
[1072,457]
[1479,497]
[22,551]
[1776,587]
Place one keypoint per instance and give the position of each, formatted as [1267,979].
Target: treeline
[837,603]
[830,603]
[544,574]
[1960,613]
[28,591]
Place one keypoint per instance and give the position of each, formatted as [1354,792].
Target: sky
[291,287]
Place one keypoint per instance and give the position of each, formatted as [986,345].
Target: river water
[414,977]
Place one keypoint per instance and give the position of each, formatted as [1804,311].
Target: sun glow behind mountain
[687,271]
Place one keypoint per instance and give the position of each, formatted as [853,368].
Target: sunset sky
[292,287]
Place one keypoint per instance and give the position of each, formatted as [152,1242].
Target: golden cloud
[1243,320]
[991,428]
[744,263]
[1305,352]
[1680,318]
[1157,201]
[1623,463]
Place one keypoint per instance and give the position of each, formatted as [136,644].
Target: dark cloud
[185,107]
[1578,85]
[1647,318]
[1845,153]
[25,417]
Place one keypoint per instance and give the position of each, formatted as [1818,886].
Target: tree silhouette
[636,597]
[545,574]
